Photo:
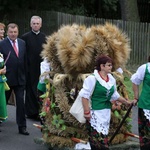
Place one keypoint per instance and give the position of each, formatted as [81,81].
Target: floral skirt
[144,130]
[98,141]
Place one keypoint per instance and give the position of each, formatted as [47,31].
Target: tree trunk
[99,8]
[129,10]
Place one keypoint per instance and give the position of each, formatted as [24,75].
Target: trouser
[19,92]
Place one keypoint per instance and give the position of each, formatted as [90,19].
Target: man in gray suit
[15,71]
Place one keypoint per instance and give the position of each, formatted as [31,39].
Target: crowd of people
[21,67]
[20,70]
[99,115]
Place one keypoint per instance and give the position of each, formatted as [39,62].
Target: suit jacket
[15,66]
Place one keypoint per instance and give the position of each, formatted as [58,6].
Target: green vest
[144,99]
[101,97]
[41,87]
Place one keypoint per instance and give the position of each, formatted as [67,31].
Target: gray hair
[36,17]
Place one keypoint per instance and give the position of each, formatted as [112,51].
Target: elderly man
[34,40]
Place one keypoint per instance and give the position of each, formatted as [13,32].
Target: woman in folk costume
[142,75]
[41,87]
[3,112]
[3,109]
[98,116]
[44,68]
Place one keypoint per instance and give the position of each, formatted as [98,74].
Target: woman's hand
[3,71]
[125,101]
[87,115]
[134,102]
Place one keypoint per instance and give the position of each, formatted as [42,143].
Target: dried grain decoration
[72,52]
[73,49]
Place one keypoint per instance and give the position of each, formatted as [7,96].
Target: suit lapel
[10,47]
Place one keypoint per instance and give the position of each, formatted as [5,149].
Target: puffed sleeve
[115,95]
[44,67]
[88,87]
[138,77]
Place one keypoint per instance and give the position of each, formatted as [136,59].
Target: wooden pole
[121,123]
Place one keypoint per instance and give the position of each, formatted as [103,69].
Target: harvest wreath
[71,52]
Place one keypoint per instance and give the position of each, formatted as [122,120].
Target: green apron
[144,99]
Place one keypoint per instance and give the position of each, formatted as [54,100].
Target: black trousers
[19,92]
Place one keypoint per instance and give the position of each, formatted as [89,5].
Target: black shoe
[23,131]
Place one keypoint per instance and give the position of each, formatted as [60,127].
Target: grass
[128,85]
[129,89]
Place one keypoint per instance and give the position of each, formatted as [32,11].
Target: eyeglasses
[109,65]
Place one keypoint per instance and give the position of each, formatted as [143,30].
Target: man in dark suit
[15,71]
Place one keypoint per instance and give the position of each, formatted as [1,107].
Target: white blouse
[138,77]
[44,67]
[89,85]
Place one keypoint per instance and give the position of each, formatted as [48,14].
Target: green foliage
[53,105]
[116,113]
[110,5]
[42,114]
[109,9]
[58,122]
[43,96]
[7,5]
[73,7]
[128,85]
[80,7]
